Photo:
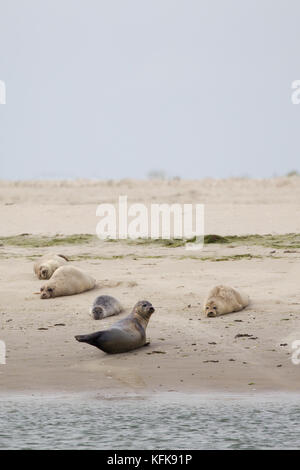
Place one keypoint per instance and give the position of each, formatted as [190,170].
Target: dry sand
[187,352]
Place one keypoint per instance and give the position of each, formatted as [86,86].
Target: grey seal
[48,264]
[105,306]
[224,299]
[124,335]
[67,280]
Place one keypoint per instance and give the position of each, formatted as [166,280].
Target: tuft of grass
[92,257]
[214,239]
[27,240]
[113,257]
[172,242]
[283,241]
[238,257]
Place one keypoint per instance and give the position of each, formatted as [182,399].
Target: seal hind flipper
[90,339]
[64,257]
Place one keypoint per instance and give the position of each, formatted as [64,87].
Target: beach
[244,351]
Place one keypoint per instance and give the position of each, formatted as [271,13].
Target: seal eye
[50,289]
[144,305]
[215,308]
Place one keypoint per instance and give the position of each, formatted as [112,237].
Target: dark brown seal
[124,335]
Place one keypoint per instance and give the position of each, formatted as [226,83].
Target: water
[166,421]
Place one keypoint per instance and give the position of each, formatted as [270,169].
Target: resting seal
[47,264]
[223,299]
[67,280]
[105,306]
[126,334]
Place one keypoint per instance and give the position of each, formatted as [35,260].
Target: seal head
[47,292]
[211,309]
[44,272]
[143,310]
[97,312]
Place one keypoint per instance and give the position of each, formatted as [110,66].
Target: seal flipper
[91,339]
[64,257]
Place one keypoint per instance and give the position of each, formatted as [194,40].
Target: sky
[120,88]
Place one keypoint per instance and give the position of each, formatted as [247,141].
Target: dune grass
[27,240]
[285,241]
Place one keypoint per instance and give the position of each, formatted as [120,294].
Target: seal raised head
[47,264]
[67,280]
[105,306]
[124,335]
[222,300]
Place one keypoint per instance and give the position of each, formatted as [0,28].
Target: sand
[188,352]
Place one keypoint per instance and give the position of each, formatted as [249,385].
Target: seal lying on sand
[223,299]
[126,334]
[47,264]
[67,280]
[105,306]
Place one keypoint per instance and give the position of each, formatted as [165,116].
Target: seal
[47,264]
[222,300]
[124,335]
[67,280]
[105,306]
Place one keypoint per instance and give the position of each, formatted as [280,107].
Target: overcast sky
[117,88]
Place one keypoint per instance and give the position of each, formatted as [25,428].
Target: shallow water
[166,421]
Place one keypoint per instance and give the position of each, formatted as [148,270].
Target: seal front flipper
[91,339]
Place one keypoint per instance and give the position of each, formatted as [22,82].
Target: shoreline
[172,396]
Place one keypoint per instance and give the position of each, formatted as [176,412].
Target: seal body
[224,299]
[67,280]
[124,335]
[105,306]
[47,264]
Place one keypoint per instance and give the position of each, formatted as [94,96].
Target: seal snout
[147,307]
[43,293]
[211,314]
